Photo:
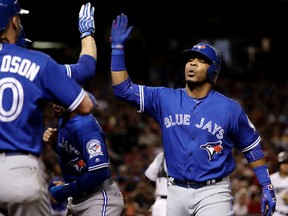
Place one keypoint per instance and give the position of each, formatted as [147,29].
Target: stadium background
[251,36]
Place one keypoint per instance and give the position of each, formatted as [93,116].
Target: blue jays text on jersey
[184,119]
[205,130]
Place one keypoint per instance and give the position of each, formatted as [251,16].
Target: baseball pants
[214,199]
[24,191]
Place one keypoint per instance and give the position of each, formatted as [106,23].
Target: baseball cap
[8,9]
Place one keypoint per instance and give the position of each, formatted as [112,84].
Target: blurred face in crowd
[283,169]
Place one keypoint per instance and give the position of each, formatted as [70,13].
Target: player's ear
[15,22]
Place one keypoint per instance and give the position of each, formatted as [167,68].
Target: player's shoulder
[21,51]
[220,97]
[86,122]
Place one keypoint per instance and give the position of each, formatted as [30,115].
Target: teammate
[84,161]
[85,68]
[280,181]
[28,79]
[200,127]
[81,145]
[157,172]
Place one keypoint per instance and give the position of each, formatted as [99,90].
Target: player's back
[27,79]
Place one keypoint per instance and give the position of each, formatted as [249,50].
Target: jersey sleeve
[246,136]
[93,142]
[60,88]
[83,70]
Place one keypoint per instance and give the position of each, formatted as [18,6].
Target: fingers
[49,135]
[57,183]
[81,10]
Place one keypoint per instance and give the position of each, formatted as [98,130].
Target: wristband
[262,175]
[62,192]
[118,60]
[85,34]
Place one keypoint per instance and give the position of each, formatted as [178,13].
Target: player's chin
[190,80]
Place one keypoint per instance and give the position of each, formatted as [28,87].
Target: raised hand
[119,32]
[86,20]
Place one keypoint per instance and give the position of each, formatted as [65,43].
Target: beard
[193,84]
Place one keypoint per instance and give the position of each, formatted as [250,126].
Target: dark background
[157,23]
[56,20]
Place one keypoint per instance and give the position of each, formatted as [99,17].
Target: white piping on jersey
[255,143]
[92,168]
[77,101]
[141,91]
[68,70]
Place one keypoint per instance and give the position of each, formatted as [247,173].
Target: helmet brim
[188,54]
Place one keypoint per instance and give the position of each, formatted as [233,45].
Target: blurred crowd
[134,139]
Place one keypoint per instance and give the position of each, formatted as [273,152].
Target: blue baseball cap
[8,9]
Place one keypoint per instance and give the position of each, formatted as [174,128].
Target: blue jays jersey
[81,146]
[198,135]
[28,79]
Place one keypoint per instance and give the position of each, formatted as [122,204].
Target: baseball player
[157,172]
[27,80]
[84,159]
[280,181]
[85,68]
[81,145]
[200,127]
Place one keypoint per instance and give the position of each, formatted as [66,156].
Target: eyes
[197,60]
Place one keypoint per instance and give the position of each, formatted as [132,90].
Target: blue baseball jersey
[81,146]
[28,79]
[198,135]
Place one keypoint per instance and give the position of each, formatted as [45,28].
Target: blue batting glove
[120,32]
[86,21]
[22,40]
[62,192]
[268,200]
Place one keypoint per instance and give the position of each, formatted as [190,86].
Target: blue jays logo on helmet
[8,9]
[212,148]
[208,53]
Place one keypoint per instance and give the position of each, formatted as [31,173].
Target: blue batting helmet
[208,53]
[282,157]
[8,9]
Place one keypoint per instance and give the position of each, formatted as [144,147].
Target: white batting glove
[86,20]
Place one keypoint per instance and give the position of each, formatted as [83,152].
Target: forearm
[258,163]
[118,66]
[119,77]
[88,47]
[88,182]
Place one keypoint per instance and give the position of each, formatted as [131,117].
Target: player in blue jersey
[83,156]
[84,162]
[200,128]
[28,79]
